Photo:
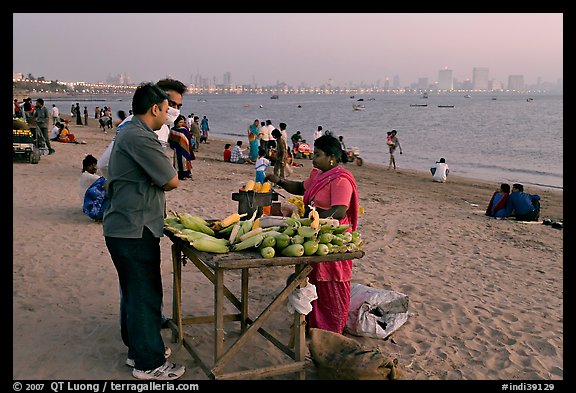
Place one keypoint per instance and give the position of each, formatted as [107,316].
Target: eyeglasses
[174,104]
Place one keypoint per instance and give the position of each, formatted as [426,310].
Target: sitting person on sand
[66,136]
[88,176]
[55,131]
[440,171]
[227,152]
[497,205]
[521,205]
[92,190]
[238,156]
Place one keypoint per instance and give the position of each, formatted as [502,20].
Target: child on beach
[262,163]
[227,152]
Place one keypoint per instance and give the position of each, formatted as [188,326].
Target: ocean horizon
[499,137]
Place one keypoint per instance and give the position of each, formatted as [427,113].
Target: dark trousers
[137,262]
[530,216]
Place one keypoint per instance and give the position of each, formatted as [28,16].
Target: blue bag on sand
[96,200]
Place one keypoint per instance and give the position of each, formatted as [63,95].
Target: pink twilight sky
[289,47]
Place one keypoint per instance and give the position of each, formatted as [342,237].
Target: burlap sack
[338,357]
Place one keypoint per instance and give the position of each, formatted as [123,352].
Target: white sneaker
[166,372]
[167,353]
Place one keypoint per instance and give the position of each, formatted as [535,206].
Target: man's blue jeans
[137,262]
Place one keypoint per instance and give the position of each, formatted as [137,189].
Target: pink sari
[332,279]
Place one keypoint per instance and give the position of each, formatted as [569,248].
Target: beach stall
[214,266]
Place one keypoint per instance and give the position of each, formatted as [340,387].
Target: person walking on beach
[253,139]
[204,128]
[85,115]
[195,131]
[281,153]
[332,191]
[78,114]
[139,174]
[392,148]
[55,114]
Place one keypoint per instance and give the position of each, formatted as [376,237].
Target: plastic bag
[375,312]
[104,160]
[301,298]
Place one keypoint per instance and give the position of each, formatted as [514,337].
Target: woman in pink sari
[332,190]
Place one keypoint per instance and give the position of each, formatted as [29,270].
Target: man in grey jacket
[41,117]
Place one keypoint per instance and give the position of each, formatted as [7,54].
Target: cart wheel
[359,161]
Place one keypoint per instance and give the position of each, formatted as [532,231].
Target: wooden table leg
[177,294]
[218,314]
[299,334]
[244,301]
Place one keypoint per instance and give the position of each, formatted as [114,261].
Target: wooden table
[213,267]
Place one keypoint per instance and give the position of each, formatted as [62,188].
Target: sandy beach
[486,295]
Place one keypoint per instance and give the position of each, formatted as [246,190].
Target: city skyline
[301,49]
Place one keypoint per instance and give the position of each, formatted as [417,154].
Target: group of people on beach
[516,204]
[139,171]
[151,153]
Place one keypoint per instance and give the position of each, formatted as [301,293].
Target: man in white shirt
[440,172]
[55,113]
[265,134]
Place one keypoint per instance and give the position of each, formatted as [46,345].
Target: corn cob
[234,233]
[249,185]
[207,245]
[307,232]
[191,235]
[293,250]
[194,222]
[251,242]
[251,233]
[257,187]
[264,188]
[231,219]
[315,218]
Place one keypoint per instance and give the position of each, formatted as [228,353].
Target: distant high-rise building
[227,79]
[480,78]
[445,80]
[516,82]
[422,83]
[495,85]
[396,82]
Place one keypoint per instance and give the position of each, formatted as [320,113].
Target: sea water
[513,138]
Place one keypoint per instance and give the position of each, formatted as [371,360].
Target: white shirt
[265,131]
[262,163]
[441,172]
[54,132]
[55,111]
[318,134]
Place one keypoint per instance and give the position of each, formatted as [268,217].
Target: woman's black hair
[180,117]
[330,145]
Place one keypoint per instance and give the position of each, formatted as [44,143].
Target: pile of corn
[270,235]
